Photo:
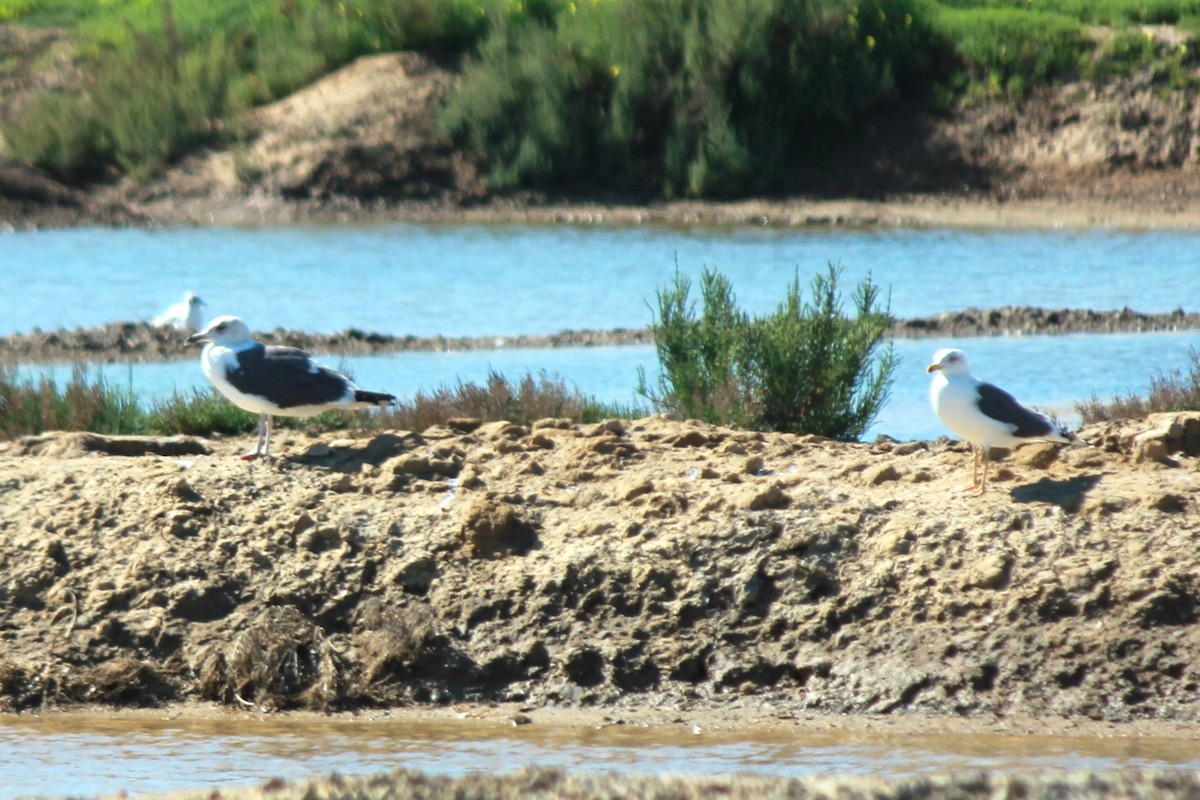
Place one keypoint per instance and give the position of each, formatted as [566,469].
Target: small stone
[991,572]
[634,489]
[757,498]
[881,474]
[690,439]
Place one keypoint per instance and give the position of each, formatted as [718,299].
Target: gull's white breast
[956,402]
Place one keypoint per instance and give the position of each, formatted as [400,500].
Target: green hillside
[675,98]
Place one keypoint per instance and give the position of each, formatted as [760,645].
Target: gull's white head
[226,330]
[950,361]
[192,300]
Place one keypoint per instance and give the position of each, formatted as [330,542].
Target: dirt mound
[647,563]
[359,139]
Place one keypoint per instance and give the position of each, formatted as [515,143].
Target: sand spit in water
[142,342]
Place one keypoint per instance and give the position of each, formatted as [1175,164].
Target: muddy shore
[142,342]
[629,565]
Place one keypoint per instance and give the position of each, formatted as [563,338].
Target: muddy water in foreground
[86,756]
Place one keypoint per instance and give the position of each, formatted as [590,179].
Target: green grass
[90,403]
[82,403]
[1113,13]
[1174,391]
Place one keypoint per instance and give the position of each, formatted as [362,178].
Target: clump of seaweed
[282,660]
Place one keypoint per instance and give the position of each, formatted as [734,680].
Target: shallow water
[478,280]
[89,755]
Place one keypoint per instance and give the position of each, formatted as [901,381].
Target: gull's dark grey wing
[1003,407]
[287,377]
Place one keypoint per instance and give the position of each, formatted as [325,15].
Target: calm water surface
[59,756]
[473,280]
[468,280]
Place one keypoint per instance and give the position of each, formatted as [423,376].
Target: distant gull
[184,315]
[269,379]
[983,414]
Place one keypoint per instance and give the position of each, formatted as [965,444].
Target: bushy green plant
[684,97]
[814,369]
[1174,391]
[806,368]
[699,357]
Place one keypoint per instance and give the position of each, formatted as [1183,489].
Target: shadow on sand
[1067,494]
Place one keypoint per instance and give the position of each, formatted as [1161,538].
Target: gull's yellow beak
[933,368]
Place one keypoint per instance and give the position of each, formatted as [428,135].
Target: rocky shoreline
[142,342]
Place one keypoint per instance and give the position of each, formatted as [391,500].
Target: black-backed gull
[983,414]
[272,380]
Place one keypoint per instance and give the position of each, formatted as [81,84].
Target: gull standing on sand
[273,380]
[983,414]
[184,315]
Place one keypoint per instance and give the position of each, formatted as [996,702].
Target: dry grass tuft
[1176,391]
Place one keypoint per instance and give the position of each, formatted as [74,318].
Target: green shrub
[1176,391]
[806,368]
[684,97]
[178,104]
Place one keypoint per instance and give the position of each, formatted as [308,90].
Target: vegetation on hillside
[806,368]
[699,98]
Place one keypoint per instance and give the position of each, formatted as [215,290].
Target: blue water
[482,280]
[90,756]
[468,280]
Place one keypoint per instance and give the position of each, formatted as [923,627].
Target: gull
[983,414]
[273,380]
[184,315]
